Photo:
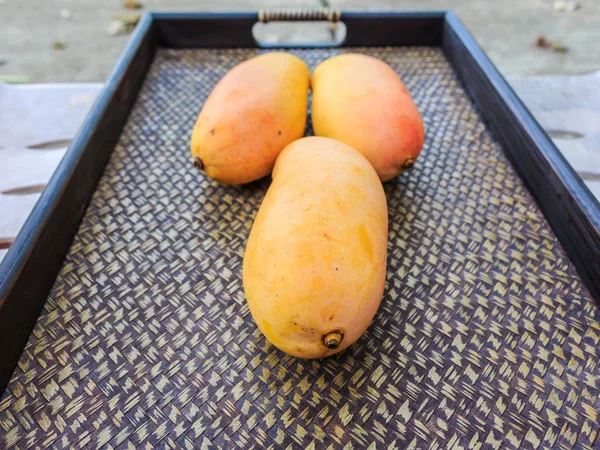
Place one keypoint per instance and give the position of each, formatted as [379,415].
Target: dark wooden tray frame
[30,268]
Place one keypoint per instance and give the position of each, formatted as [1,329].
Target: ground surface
[506,30]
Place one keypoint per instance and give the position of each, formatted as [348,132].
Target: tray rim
[32,263]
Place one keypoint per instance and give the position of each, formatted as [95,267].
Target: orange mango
[315,263]
[255,110]
[361,101]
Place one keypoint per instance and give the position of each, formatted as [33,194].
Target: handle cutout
[6,242]
[51,145]
[299,34]
[564,134]
[25,190]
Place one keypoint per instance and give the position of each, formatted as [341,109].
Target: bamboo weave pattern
[486,337]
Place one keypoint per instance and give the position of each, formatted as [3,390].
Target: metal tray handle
[299,15]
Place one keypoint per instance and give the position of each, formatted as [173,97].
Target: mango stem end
[408,164]
[198,164]
[332,339]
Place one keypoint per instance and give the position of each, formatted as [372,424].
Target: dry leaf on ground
[123,24]
[556,46]
[132,4]
[59,45]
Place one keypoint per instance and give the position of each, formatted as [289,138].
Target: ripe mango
[254,111]
[361,101]
[315,263]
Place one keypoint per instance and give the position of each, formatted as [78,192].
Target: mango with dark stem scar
[361,101]
[315,263]
[254,111]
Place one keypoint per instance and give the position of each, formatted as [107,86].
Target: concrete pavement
[506,30]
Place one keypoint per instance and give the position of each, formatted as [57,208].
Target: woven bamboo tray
[486,337]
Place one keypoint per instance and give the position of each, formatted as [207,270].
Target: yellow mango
[361,101]
[254,111]
[315,263]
